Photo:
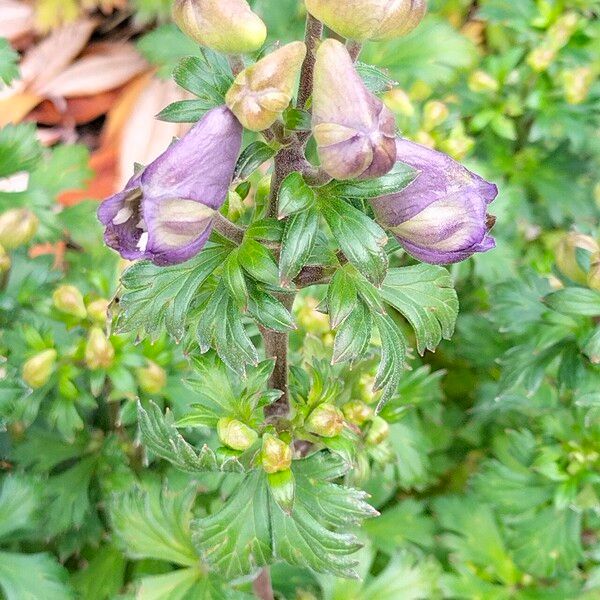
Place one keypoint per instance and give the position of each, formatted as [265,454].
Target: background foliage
[488,483]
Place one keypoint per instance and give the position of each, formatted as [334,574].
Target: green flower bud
[378,432]
[481,82]
[263,91]
[5,261]
[434,114]
[39,368]
[68,299]
[151,378]
[228,26]
[326,420]
[99,352]
[17,227]
[369,19]
[276,455]
[357,412]
[235,434]
[398,101]
[566,255]
[97,310]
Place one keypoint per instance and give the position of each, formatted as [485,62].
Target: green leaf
[9,62]
[295,119]
[159,298]
[342,296]
[103,578]
[269,311]
[153,524]
[183,111]
[353,335]
[361,240]
[251,158]
[161,437]
[575,301]
[294,196]
[298,242]
[258,262]
[234,279]
[400,177]
[33,577]
[207,76]
[18,502]
[377,80]
[425,296]
[20,149]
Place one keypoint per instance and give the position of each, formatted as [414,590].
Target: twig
[314,31]
[226,228]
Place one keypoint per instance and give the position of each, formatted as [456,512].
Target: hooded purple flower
[165,213]
[441,217]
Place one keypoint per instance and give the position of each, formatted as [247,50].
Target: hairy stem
[262,585]
[354,49]
[227,229]
[314,31]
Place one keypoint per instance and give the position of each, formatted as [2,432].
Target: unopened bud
[577,84]
[276,455]
[151,378]
[369,19]
[97,310]
[228,26]
[261,93]
[434,114]
[480,82]
[39,368]
[99,352]
[378,432]
[326,420]
[566,255]
[541,58]
[5,261]
[357,412]
[235,434]
[17,227]
[398,101]
[68,299]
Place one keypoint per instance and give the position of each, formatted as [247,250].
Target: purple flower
[354,131]
[165,213]
[441,217]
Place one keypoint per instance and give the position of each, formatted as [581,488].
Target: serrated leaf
[575,301]
[103,578]
[296,119]
[353,335]
[184,111]
[251,158]
[258,262]
[377,80]
[234,279]
[9,63]
[20,149]
[18,501]
[361,240]
[393,357]
[207,76]
[342,296]
[425,296]
[298,242]
[160,436]
[294,196]
[158,298]
[269,311]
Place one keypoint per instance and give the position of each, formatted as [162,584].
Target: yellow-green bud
[262,92]
[398,101]
[480,82]
[68,299]
[276,455]
[541,58]
[561,32]
[593,278]
[378,432]
[566,255]
[5,261]
[99,352]
[357,412]
[39,368]
[97,310]
[434,114]
[326,420]
[228,26]
[235,434]
[151,378]
[577,84]
[17,227]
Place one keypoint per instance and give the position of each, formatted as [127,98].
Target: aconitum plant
[348,208]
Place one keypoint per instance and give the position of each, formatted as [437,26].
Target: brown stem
[236,63]
[262,585]
[226,228]
[314,32]
[354,49]
[288,159]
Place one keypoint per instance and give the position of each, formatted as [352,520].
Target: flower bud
[378,431]
[577,84]
[434,114]
[566,255]
[357,412]
[68,299]
[398,101]
[5,261]
[227,26]
[17,227]
[97,310]
[99,352]
[369,19]
[151,378]
[326,420]
[276,455]
[353,129]
[561,32]
[262,92]
[441,218]
[481,82]
[541,58]
[39,368]
[235,434]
